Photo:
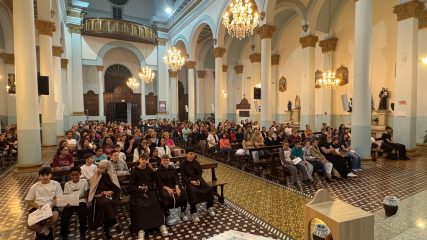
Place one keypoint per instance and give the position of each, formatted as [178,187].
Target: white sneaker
[195,218]
[184,217]
[164,230]
[141,235]
[211,211]
[351,175]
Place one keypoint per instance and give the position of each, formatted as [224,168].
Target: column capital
[422,21]
[57,51]
[201,74]
[64,63]
[266,31]
[173,74]
[275,58]
[255,57]
[238,69]
[308,41]
[75,28]
[224,68]
[218,52]
[191,64]
[100,68]
[328,45]
[45,27]
[161,41]
[411,9]
[8,58]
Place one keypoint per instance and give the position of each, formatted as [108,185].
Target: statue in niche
[283,84]
[289,106]
[297,102]
[384,94]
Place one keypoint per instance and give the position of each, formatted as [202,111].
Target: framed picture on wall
[162,107]
[11,87]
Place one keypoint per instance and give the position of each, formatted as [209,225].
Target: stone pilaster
[45,27]
[64,63]
[328,45]
[255,57]
[266,31]
[218,52]
[275,59]
[411,9]
[238,69]
[308,41]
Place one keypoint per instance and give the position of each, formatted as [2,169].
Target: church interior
[213,119]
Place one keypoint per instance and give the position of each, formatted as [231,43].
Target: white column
[255,59]
[143,112]
[421,82]
[201,103]
[3,92]
[238,69]
[77,68]
[226,93]
[45,29]
[173,105]
[65,87]
[57,79]
[308,44]
[404,121]
[162,74]
[274,101]
[219,113]
[191,65]
[266,32]
[29,151]
[361,115]
[100,70]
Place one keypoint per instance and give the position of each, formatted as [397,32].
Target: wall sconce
[224,94]
[424,60]
[258,85]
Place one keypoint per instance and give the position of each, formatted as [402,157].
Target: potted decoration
[321,231]
[391,204]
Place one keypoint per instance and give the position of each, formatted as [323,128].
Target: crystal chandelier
[132,83]
[146,74]
[242,21]
[174,59]
[329,79]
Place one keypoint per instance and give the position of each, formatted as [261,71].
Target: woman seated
[171,144]
[163,149]
[104,193]
[348,152]
[389,145]
[141,149]
[108,146]
[225,146]
[145,210]
[271,139]
[62,160]
[86,147]
[172,194]
[154,159]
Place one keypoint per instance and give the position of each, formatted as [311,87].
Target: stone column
[100,70]
[406,71]
[308,44]
[143,111]
[9,61]
[266,32]
[274,101]
[66,86]
[201,110]
[162,73]
[77,69]
[219,112]
[361,115]
[324,95]
[45,29]
[29,151]
[239,70]
[57,78]
[173,105]
[227,94]
[4,59]
[191,66]
[422,76]
[255,59]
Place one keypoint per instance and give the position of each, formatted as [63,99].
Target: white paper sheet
[71,199]
[295,161]
[39,215]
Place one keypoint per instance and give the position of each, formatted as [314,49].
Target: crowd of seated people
[8,145]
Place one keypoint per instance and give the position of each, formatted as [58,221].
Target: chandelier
[132,83]
[146,74]
[242,21]
[329,79]
[174,59]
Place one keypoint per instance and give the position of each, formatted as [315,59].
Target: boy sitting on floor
[42,193]
[80,185]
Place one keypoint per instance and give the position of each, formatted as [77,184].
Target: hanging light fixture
[132,82]
[174,59]
[242,20]
[329,78]
[146,73]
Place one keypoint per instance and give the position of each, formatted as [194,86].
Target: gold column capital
[275,58]
[422,21]
[45,27]
[219,52]
[173,74]
[224,68]
[308,41]
[328,45]
[8,58]
[238,69]
[255,57]
[100,68]
[191,64]
[57,51]
[201,74]
[411,9]
[75,28]
[266,31]
[64,63]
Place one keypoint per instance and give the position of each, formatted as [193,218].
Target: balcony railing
[119,29]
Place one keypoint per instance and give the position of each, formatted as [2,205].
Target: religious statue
[289,106]
[297,102]
[342,74]
[283,84]
[384,94]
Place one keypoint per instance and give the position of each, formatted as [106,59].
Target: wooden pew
[264,161]
[215,183]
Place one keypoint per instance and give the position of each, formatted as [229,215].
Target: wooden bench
[265,161]
[215,183]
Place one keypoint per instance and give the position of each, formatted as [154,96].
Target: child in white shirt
[89,169]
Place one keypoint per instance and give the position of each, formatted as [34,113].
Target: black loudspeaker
[43,85]
[257,93]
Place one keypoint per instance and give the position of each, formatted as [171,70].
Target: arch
[119,44]
[114,76]
[313,13]
[178,38]
[276,6]
[201,23]
[7,27]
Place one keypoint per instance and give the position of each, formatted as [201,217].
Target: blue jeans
[355,160]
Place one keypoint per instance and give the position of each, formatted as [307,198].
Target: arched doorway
[121,103]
